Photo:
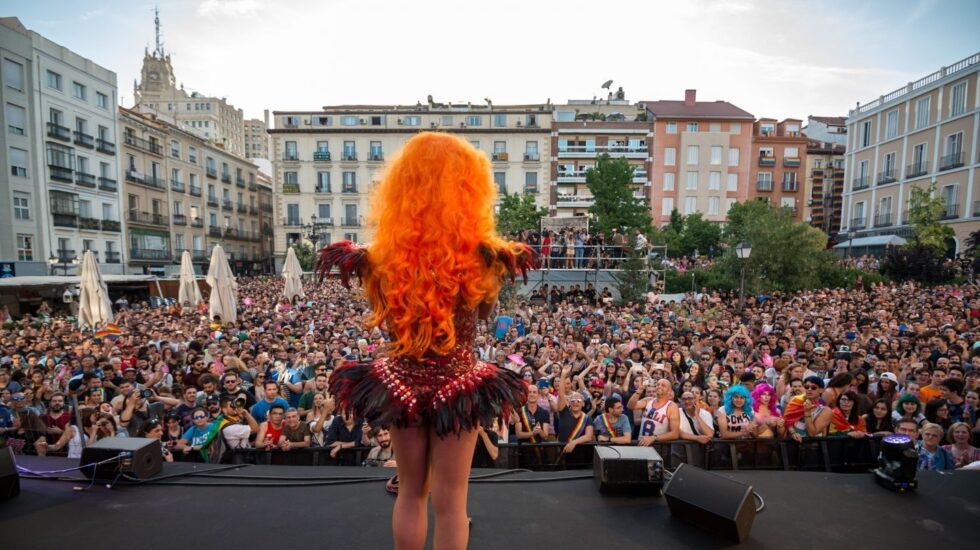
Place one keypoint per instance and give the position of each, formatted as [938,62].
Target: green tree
[699,234]
[305,255]
[614,205]
[633,279]
[926,210]
[518,212]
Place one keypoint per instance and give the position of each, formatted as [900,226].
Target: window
[499,120]
[78,91]
[54,80]
[671,127]
[692,181]
[291,152]
[25,248]
[323,182]
[22,208]
[350,150]
[412,120]
[500,180]
[18,162]
[376,121]
[175,148]
[292,214]
[289,177]
[713,204]
[350,182]
[714,127]
[733,156]
[531,150]
[692,126]
[863,169]
[791,152]
[690,205]
[866,133]
[350,120]
[323,212]
[922,112]
[101,100]
[732,182]
[667,206]
[668,181]
[714,181]
[891,124]
[16,119]
[918,158]
[889,171]
[957,104]
[793,130]
[734,128]
[693,154]
[767,129]
[670,156]
[716,154]
[192,155]
[885,206]
[475,143]
[13,75]
[499,147]
[322,120]
[530,182]
[954,143]
[474,120]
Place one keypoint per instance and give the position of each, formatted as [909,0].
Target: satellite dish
[607,84]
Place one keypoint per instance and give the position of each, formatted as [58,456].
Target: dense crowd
[848,363]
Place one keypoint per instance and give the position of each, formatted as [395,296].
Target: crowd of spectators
[848,363]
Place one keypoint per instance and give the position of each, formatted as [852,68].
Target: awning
[877,240]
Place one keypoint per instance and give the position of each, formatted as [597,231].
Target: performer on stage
[434,266]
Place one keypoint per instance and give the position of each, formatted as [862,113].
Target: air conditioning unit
[308,122]
[433,125]
[519,124]
[363,121]
[462,125]
[400,122]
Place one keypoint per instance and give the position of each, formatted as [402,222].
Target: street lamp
[743,250]
[850,242]
[59,262]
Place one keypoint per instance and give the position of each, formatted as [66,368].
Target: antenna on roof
[607,84]
[156,24]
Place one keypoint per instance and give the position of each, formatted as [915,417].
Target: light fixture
[897,463]
[53,260]
[743,250]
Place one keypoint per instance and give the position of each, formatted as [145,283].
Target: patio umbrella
[94,306]
[224,289]
[292,272]
[189,292]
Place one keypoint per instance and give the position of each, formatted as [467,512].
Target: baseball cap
[597,383]
[889,376]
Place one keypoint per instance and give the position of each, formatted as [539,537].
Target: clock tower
[157,77]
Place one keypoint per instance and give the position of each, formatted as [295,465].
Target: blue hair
[739,389]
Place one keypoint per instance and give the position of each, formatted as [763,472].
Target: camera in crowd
[240,402]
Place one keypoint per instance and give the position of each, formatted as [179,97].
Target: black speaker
[9,479]
[138,457]
[636,470]
[711,502]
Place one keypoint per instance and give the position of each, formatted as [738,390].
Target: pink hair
[757,392]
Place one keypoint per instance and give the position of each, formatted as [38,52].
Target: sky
[773,58]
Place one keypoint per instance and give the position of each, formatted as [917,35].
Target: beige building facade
[326,162]
[256,139]
[921,134]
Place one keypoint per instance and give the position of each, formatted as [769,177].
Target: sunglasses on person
[811,387]
[199,417]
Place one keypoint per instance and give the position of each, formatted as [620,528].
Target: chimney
[690,98]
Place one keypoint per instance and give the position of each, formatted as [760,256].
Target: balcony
[886,177]
[195,191]
[917,169]
[348,188]
[767,161]
[641,195]
[148,218]
[860,183]
[226,178]
[321,156]
[884,220]
[107,184]
[106,147]
[58,131]
[532,157]
[574,201]
[241,208]
[627,151]
[349,156]
[197,222]
[152,182]
[252,186]
[85,180]
[111,257]
[63,219]
[859,223]
[640,176]
[266,207]
[290,188]
[148,254]
[954,160]
[214,231]
[320,188]
[817,173]
[213,202]
[226,204]
[84,140]
[290,156]
[952,212]
[350,222]
[90,224]
[231,233]
[240,182]
[180,219]
[253,210]
[200,255]
[501,156]
[791,186]
[211,173]
[571,176]
[61,173]
[376,156]
[791,162]
[763,185]
[66,255]
[292,222]
[111,225]
[149,146]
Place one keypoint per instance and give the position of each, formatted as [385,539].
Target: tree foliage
[634,278]
[917,261]
[614,205]
[518,212]
[926,210]
[305,255]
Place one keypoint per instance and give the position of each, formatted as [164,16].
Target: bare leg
[451,459]
[409,521]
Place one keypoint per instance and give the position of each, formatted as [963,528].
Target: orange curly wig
[432,211]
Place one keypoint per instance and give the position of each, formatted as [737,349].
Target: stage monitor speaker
[636,470]
[9,479]
[711,502]
[139,457]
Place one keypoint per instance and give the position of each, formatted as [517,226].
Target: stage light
[897,463]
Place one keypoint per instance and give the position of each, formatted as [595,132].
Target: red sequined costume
[452,393]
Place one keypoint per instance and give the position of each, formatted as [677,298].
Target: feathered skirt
[450,394]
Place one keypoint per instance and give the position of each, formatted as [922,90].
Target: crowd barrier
[823,454]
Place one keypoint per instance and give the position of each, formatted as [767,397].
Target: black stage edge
[216,508]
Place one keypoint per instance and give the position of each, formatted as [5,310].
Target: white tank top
[75,444]
[655,421]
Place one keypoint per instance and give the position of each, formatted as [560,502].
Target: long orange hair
[432,211]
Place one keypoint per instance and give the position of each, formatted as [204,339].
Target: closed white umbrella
[224,289]
[189,292]
[94,306]
[292,272]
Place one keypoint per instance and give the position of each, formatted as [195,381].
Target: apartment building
[182,192]
[921,134]
[256,139]
[325,162]
[827,129]
[585,129]
[777,164]
[824,176]
[701,161]
[60,157]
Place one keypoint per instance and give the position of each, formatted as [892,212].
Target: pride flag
[111,330]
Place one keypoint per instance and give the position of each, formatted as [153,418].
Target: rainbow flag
[111,330]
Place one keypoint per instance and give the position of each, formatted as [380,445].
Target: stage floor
[283,506]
